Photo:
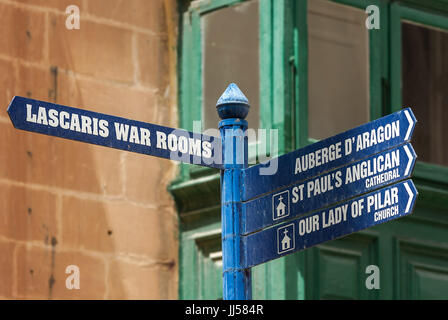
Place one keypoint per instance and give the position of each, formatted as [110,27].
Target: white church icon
[286,241]
[285,238]
[280,205]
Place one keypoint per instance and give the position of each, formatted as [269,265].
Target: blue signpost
[115,132]
[344,218]
[232,108]
[348,181]
[343,148]
[332,188]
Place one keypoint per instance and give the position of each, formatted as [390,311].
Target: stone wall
[68,203]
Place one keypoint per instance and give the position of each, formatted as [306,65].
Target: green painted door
[320,71]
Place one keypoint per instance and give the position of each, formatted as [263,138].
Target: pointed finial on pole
[232,103]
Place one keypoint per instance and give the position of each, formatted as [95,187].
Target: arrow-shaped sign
[115,132]
[371,209]
[312,160]
[348,181]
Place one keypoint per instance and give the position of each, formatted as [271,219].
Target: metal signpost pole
[232,108]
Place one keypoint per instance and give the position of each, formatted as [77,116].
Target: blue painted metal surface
[348,181]
[232,103]
[371,209]
[317,176]
[236,280]
[115,132]
[330,153]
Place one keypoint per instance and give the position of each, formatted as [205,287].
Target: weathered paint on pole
[233,107]
[353,179]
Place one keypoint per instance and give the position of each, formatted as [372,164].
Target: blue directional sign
[340,184]
[114,132]
[343,148]
[371,209]
[332,188]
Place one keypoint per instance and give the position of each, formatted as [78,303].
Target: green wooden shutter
[411,253]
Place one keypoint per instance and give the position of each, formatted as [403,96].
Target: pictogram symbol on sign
[286,238]
[280,205]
